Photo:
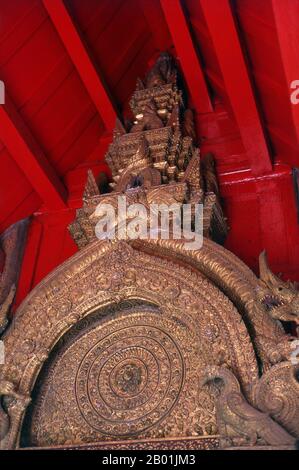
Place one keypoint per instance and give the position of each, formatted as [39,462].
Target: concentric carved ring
[131,378]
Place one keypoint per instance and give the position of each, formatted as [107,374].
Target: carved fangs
[272,302]
[281,299]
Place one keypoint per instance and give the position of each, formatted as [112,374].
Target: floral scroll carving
[277,393]
[200,318]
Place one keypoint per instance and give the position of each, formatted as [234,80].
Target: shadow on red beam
[245,176]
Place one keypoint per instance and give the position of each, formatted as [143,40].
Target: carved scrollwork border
[60,301]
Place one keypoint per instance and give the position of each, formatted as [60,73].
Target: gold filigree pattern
[113,345]
[108,273]
[277,393]
[156,161]
[134,375]
[239,423]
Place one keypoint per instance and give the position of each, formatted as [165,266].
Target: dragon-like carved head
[280,298]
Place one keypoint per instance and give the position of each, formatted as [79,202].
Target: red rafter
[286,19]
[184,46]
[224,34]
[82,60]
[30,157]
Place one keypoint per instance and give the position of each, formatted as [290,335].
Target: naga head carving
[280,298]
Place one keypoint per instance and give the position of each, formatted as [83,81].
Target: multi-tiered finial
[156,156]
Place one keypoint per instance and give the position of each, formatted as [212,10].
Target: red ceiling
[69,67]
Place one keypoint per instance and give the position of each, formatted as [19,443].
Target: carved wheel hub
[126,376]
[131,378]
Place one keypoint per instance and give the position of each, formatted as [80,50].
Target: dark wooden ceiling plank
[224,34]
[30,158]
[286,23]
[187,55]
[155,20]
[82,60]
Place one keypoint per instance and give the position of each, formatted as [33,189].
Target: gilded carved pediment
[141,343]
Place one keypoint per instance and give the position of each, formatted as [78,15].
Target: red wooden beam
[286,14]
[189,59]
[30,158]
[153,15]
[82,60]
[224,34]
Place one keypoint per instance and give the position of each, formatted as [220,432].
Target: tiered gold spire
[156,156]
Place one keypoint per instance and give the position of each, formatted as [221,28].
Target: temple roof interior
[138,340]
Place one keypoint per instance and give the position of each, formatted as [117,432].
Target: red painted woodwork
[30,158]
[185,50]
[68,65]
[83,62]
[285,20]
[223,30]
